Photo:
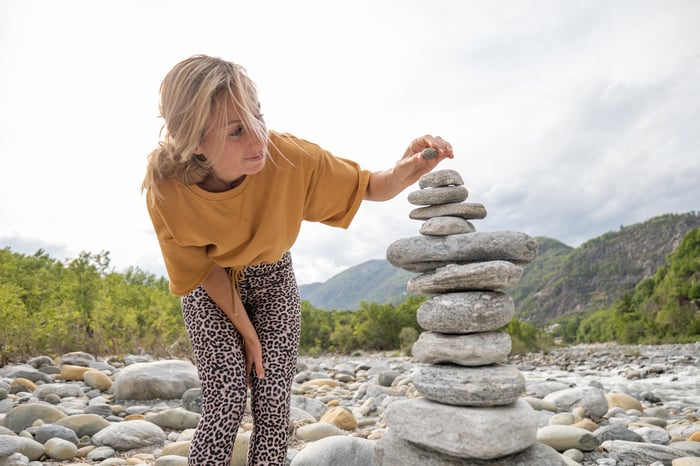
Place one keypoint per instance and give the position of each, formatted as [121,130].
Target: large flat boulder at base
[164,380]
[426,253]
[462,431]
[392,450]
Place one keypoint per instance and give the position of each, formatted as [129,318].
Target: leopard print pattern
[270,296]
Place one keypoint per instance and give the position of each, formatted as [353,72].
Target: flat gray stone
[129,435]
[467,312]
[438,178]
[592,399]
[426,253]
[23,416]
[490,275]
[642,453]
[462,431]
[443,226]
[392,450]
[494,385]
[438,196]
[616,432]
[467,210]
[476,349]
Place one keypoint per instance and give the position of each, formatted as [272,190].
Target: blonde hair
[193,95]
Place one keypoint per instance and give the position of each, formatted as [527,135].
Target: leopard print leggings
[271,297]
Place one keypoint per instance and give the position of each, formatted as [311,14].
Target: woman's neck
[214,184]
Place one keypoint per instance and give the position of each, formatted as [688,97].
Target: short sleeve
[187,266]
[336,191]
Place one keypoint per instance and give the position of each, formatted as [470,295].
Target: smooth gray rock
[311,405]
[7,446]
[438,196]
[63,390]
[491,275]
[15,459]
[101,453]
[129,435]
[462,431]
[192,400]
[22,416]
[642,453]
[466,210]
[84,424]
[438,178]
[430,153]
[29,447]
[467,312]
[425,253]
[566,437]
[174,419]
[392,450]
[476,349]
[690,448]
[48,431]
[494,385]
[165,380]
[443,226]
[336,451]
[24,371]
[78,358]
[172,460]
[616,432]
[591,398]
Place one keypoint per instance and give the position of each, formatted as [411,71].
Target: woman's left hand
[413,165]
[385,185]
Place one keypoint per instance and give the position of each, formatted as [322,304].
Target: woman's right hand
[218,286]
[253,358]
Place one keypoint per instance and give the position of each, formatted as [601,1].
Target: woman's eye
[236,132]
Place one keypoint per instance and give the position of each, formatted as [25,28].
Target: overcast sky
[568,118]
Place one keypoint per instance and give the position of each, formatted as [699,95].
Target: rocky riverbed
[594,405]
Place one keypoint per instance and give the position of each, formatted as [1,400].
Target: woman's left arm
[384,185]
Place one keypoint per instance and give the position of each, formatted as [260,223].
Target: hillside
[373,281]
[599,271]
[562,280]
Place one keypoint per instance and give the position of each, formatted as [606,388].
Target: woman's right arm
[218,286]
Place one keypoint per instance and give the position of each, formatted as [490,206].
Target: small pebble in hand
[430,153]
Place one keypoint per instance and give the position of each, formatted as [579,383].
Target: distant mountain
[562,280]
[372,281]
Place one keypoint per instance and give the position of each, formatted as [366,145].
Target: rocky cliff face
[563,281]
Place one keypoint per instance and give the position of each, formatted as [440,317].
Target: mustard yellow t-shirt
[259,220]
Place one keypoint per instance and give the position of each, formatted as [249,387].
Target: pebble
[362,396]
[430,153]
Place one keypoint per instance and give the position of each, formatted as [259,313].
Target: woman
[227,199]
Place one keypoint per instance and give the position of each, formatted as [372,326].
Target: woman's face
[242,151]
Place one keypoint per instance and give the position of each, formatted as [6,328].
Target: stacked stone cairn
[471,411]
